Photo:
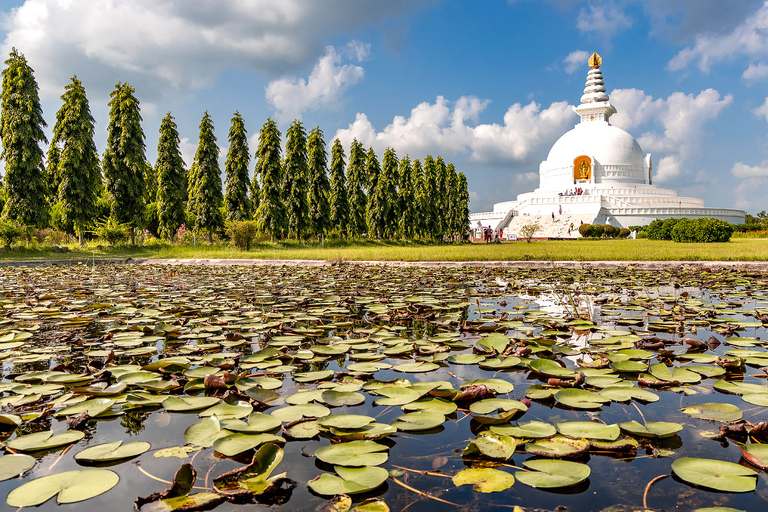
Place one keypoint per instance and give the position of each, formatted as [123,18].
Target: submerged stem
[648,487]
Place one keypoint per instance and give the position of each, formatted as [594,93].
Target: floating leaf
[713,411]
[551,474]
[652,429]
[108,452]
[349,480]
[626,393]
[257,423]
[588,430]
[396,395]
[525,430]
[312,376]
[253,479]
[345,420]
[492,445]
[339,398]
[14,465]
[178,497]
[353,453]
[296,412]
[715,474]
[756,454]
[234,444]
[419,420]
[224,410]
[44,440]
[181,452]
[418,367]
[188,403]
[69,487]
[484,479]
[204,432]
[558,447]
[580,399]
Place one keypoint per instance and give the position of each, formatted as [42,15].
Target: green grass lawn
[738,249]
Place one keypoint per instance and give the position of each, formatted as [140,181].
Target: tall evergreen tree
[339,199]
[205,195]
[21,131]
[171,179]
[319,188]
[150,185]
[52,172]
[408,220]
[356,184]
[270,214]
[429,201]
[124,162]
[443,194]
[236,202]
[295,184]
[462,219]
[377,206]
[418,191]
[388,190]
[78,163]
[451,204]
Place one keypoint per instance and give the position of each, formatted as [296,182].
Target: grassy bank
[738,249]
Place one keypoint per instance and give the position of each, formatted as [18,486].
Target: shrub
[624,233]
[596,231]
[10,232]
[242,233]
[610,231]
[528,230]
[585,230]
[111,231]
[49,236]
[703,230]
[661,229]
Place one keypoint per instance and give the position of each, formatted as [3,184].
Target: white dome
[607,144]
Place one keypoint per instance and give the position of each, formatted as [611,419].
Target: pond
[374,388]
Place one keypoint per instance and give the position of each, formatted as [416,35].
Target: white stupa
[595,174]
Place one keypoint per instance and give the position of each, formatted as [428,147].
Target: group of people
[491,236]
[573,192]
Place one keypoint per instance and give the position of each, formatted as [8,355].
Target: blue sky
[488,85]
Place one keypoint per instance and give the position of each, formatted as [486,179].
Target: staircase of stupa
[548,227]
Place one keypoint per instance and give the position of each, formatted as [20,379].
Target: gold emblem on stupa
[594,61]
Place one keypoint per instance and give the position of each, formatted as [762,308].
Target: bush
[661,229]
[585,230]
[596,231]
[112,231]
[528,230]
[49,236]
[242,233]
[10,232]
[624,233]
[610,231]
[703,230]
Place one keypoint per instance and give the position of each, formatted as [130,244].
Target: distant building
[595,174]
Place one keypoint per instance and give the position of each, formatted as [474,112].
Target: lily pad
[188,403]
[109,452]
[354,453]
[552,474]
[419,420]
[589,430]
[755,454]
[715,474]
[345,421]
[492,445]
[68,487]
[484,479]
[525,430]
[652,429]
[713,411]
[15,464]
[349,480]
[234,444]
[580,399]
[558,447]
[44,440]
[418,367]
[253,479]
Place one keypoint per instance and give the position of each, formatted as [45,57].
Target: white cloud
[762,111]
[172,45]
[438,128]
[749,39]
[326,84]
[681,117]
[741,170]
[604,17]
[575,61]
[755,72]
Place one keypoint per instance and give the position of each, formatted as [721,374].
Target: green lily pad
[188,403]
[419,420]
[15,464]
[552,474]
[484,479]
[258,422]
[418,367]
[525,430]
[345,421]
[253,479]
[713,411]
[108,452]
[580,399]
[69,487]
[431,404]
[224,410]
[312,376]
[558,447]
[499,386]
[492,445]
[296,412]
[204,432]
[94,407]
[715,474]
[349,480]
[627,393]
[354,453]
[396,395]
[494,343]
[652,429]
[588,430]
[44,440]
[236,443]
[339,398]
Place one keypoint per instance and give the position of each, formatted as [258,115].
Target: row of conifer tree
[290,195]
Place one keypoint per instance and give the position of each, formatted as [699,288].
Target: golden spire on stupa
[594,61]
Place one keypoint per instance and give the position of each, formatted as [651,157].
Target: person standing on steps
[561,209]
